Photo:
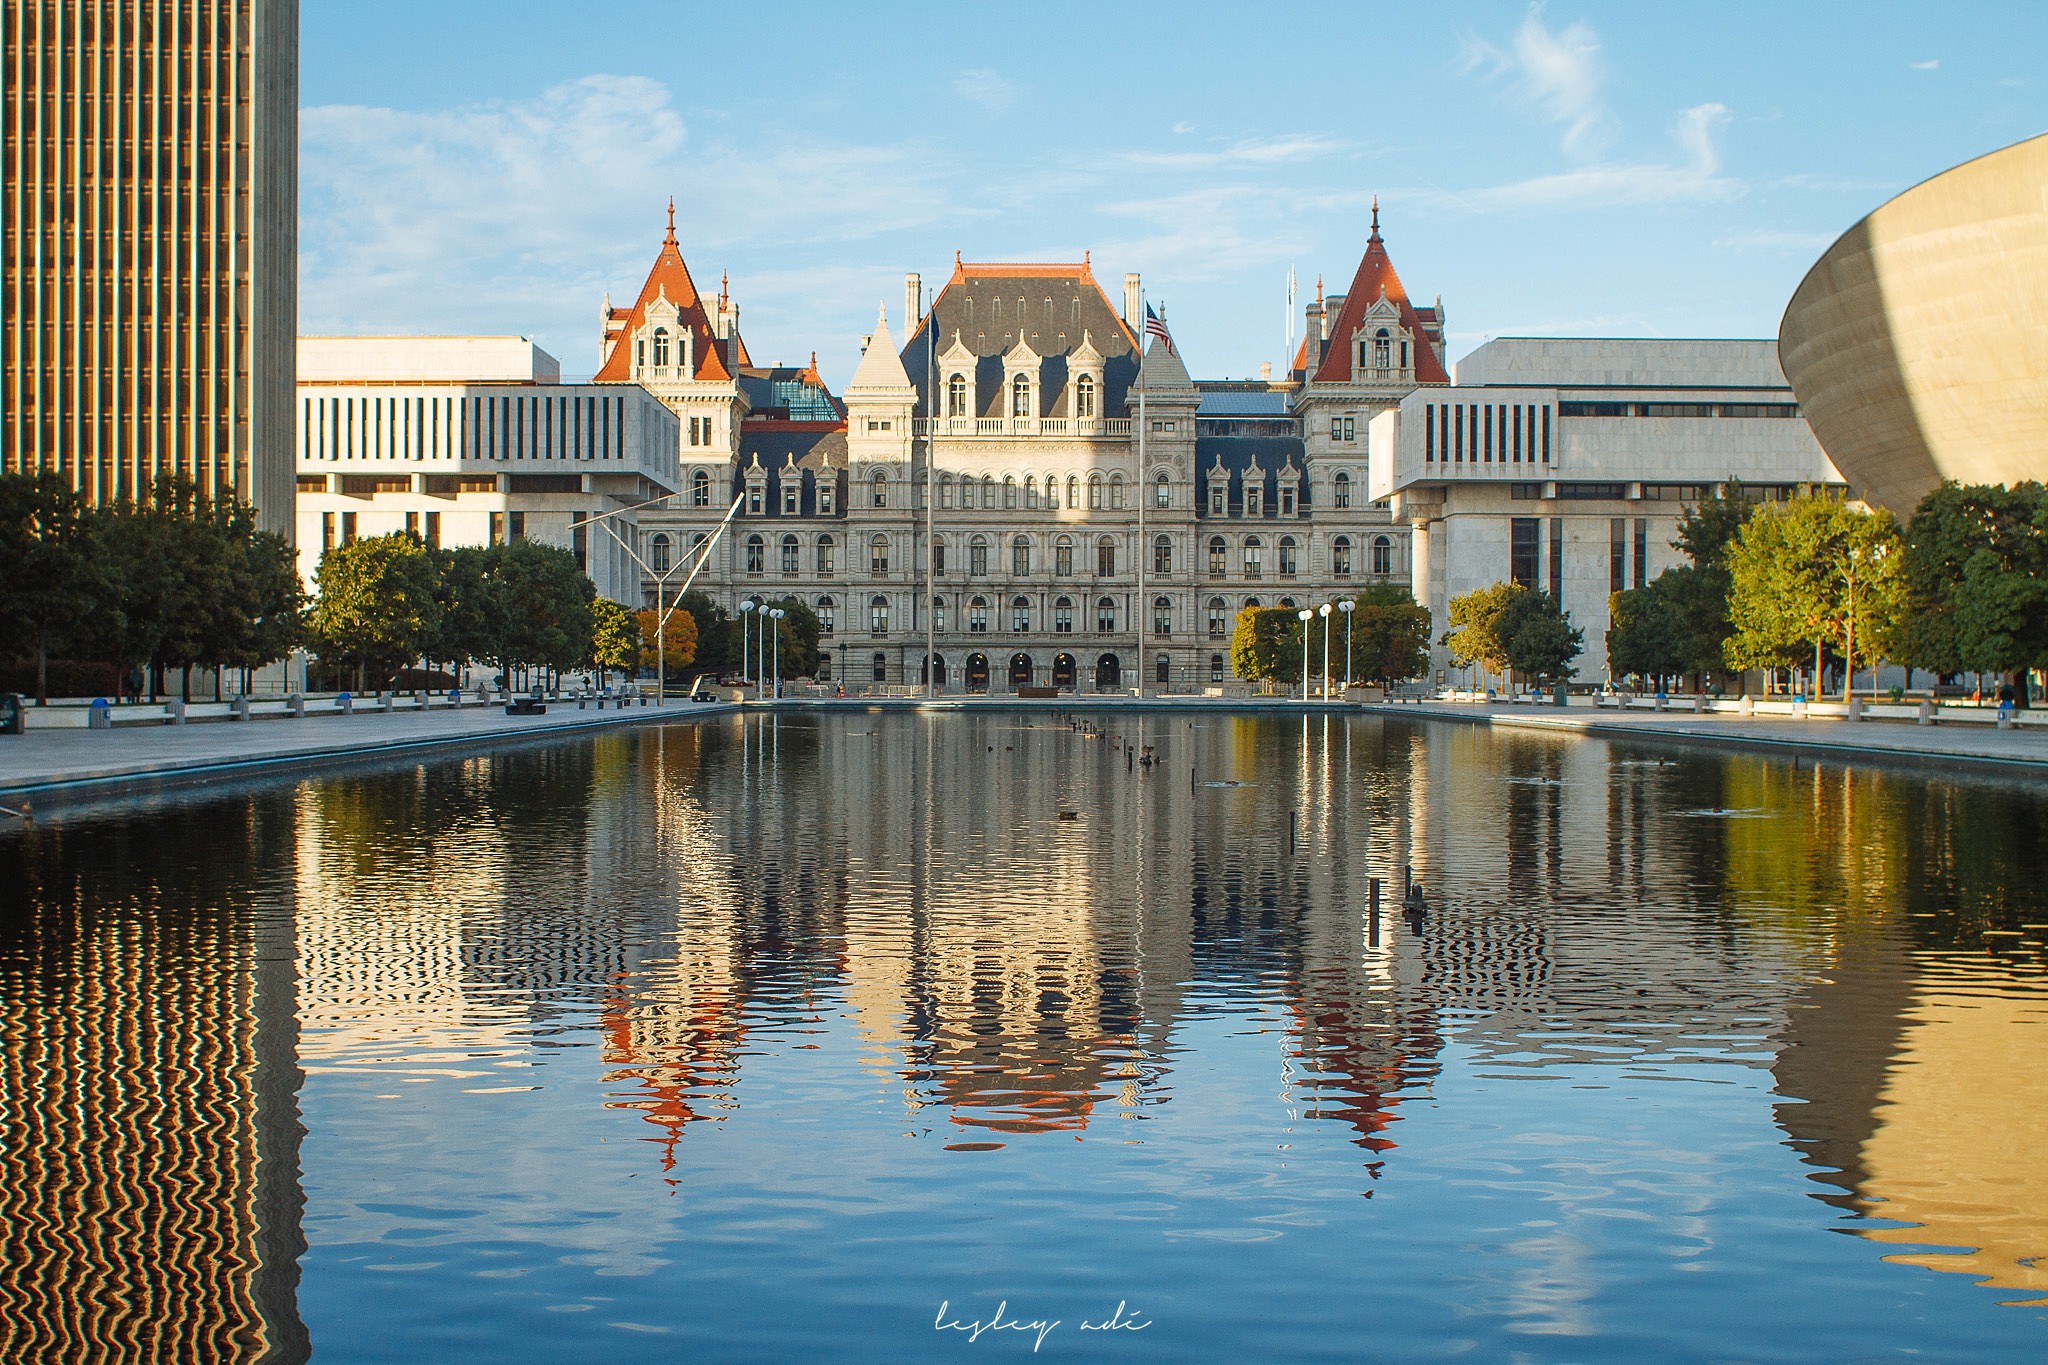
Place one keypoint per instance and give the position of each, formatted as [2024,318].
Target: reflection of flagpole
[1138,607]
[931,494]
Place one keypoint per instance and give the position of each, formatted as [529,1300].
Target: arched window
[977,556]
[1162,616]
[1382,555]
[1288,566]
[700,488]
[1288,603]
[1020,614]
[878,616]
[945,490]
[1219,618]
[1340,557]
[879,490]
[1251,604]
[1020,396]
[1052,493]
[657,554]
[1105,558]
[825,616]
[880,662]
[1162,555]
[1215,668]
[1382,350]
[825,548]
[1084,396]
[1116,492]
[938,555]
[878,555]
[977,615]
[1105,615]
[1162,490]
[988,492]
[1063,616]
[1030,491]
[1095,492]
[757,554]
[1073,492]
[790,554]
[1219,557]
[1253,550]
[1020,556]
[1340,489]
[956,396]
[938,613]
[1063,557]
[1009,492]
[661,348]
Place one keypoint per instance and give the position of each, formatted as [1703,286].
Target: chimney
[1134,305]
[913,303]
[1312,331]
[1265,371]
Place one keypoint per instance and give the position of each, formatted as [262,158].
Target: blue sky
[1557,169]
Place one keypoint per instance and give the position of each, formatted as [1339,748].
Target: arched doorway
[935,670]
[1020,670]
[1109,673]
[977,673]
[1062,670]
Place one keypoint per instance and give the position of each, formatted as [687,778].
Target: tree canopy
[1267,645]
[1508,628]
[1975,580]
[1812,574]
[1389,635]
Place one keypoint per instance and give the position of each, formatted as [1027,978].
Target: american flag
[1155,326]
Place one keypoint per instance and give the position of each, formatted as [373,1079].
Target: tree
[1267,645]
[1973,555]
[718,635]
[615,638]
[798,633]
[678,639]
[53,582]
[377,605]
[544,600]
[1509,628]
[1699,595]
[1812,573]
[1475,636]
[1646,634]
[263,616]
[1389,635]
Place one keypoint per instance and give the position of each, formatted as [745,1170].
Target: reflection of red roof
[1376,277]
[669,278]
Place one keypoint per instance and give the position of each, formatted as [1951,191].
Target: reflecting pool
[885,1036]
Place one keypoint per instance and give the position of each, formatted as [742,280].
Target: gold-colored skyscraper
[150,244]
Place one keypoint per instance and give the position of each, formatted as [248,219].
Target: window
[938,555]
[1593,492]
[1219,557]
[879,497]
[753,498]
[1219,493]
[1617,554]
[1073,492]
[791,490]
[1030,492]
[1340,557]
[1343,428]
[1063,557]
[660,348]
[1255,494]
[1162,556]
[1162,491]
[956,396]
[1288,567]
[1557,558]
[1382,350]
[1164,669]
[1095,492]
[1105,558]
[757,554]
[1382,555]
[977,556]
[1522,536]
[1105,616]
[1020,556]
[825,487]
[1252,552]
[1020,614]
[657,554]
[1052,493]
[825,617]
[938,613]
[946,490]
[1162,616]
[825,548]
[977,616]
[1340,490]
[1287,497]
[1215,663]
[1162,426]
[878,555]
[790,554]
[1642,551]
[1084,396]
[1219,617]
[878,620]
[327,530]
[1252,603]
[988,492]
[1020,396]
[880,664]
[1116,492]
[1009,492]
[1063,616]
[700,488]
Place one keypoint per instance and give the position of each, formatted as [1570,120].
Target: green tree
[1699,595]
[1477,617]
[545,599]
[798,634]
[54,585]
[718,635]
[377,606]
[1508,628]
[472,609]
[263,616]
[1389,635]
[1974,557]
[615,638]
[1813,573]
[1267,645]
[1646,633]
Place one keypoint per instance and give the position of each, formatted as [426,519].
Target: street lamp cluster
[761,651]
[1307,614]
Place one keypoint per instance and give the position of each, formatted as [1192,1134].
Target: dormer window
[1084,396]
[1020,396]
[661,348]
[1382,350]
[956,396]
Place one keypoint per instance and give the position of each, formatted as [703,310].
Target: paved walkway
[45,765]
[2024,750]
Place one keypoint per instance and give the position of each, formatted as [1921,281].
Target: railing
[1022,426]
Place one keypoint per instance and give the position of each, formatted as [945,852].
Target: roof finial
[671,219]
[1084,258]
[724,285]
[1375,215]
[1319,291]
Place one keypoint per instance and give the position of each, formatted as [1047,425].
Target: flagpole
[1139,606]
[931,495]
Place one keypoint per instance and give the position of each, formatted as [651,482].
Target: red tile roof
[669,277]
[1376,277]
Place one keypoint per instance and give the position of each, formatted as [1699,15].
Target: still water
[837,1037]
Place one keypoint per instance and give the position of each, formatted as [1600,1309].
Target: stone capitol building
[1095,518]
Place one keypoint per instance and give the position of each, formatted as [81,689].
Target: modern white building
[1564,464]
[475,441]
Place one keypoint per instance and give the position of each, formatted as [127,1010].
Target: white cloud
[1930,65]
[1776,241]
[1266,151]
[1696,179]
[1557,72]
[987,87]
[1183,127]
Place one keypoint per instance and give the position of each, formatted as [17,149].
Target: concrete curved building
[1918,343]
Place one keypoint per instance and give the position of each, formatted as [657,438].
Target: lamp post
[1303,615]
[1347,606]
[1324,612]
[775,672]
[746,639]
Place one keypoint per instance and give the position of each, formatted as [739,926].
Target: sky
[1553,169]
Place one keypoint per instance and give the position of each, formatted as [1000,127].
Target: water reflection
[1000,934]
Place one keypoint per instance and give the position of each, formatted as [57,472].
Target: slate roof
[1375,277]
[789,392]
[1237,453]
[1049,306]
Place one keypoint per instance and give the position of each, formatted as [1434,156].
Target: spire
[1319,291]
[880,368]
[670,240]
[724,285]
[1375,218]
